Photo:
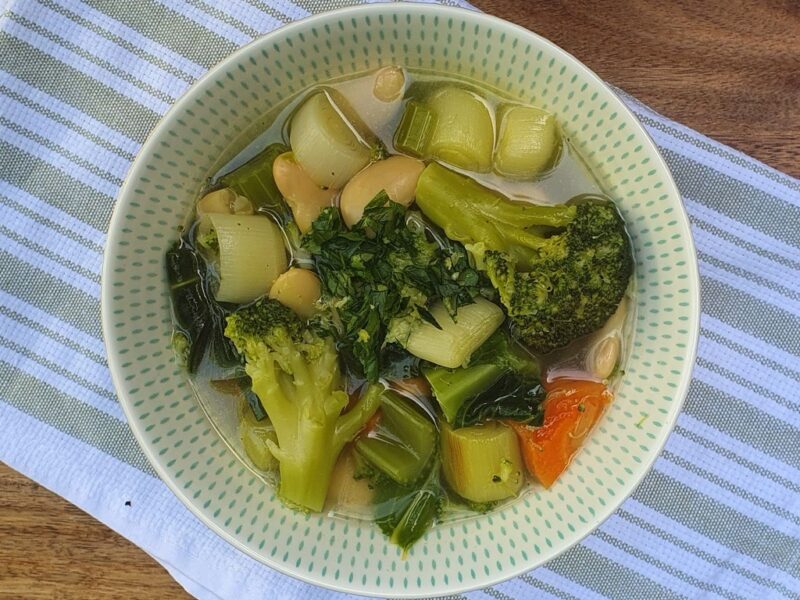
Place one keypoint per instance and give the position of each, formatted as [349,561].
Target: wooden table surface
[727,68]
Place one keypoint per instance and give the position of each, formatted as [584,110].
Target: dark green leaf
[512,397]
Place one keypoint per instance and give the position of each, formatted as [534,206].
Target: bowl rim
[115,228]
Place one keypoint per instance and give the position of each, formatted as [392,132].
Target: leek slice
[454,341]
[251,256]
[453,125]
[482,463]
[528,142]
[464,133]
[326,146]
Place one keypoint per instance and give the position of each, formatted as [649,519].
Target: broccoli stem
[471,213]
[444,192]
[306,467]
[308,454]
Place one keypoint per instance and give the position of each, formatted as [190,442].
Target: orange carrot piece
[571,409]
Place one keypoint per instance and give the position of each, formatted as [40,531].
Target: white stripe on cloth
[85,66]
[144,43]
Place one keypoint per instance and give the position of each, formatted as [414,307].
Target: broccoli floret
[295,373]
[560,270]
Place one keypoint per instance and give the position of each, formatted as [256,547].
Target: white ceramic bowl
[215,119]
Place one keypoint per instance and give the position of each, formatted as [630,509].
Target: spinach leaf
[512,397]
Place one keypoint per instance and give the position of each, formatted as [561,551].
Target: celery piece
[482,463]
[453,341]
[528,141]
[415,129]
[452,387]
[403,442]
[254,181]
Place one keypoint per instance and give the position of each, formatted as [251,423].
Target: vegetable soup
[413,293]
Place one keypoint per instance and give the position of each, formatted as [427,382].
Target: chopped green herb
[381,275]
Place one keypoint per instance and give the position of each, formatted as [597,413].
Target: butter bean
[389,83]
[305,198]
[299,289]
[218,201]
[396,175]
[606,344]
[604,356]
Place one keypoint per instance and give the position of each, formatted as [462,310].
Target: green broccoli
[560,270]
[296,375]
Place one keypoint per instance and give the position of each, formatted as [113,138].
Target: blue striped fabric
[82,82]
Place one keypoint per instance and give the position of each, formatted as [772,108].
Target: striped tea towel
[82,82]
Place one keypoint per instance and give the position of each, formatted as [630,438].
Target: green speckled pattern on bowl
[173,431]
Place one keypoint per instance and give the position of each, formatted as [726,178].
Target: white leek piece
[327,147]
[453,344]
[482,463]
[528,142]
[251,256]
[464,132]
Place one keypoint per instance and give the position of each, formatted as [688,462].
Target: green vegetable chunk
[405,513]
[296,376]
[256,435]
[425,506]
[415,129]
[453,125]
[501,381]
[198,319]
[561,270]
[254,181]
[403,442]
[482,463]
[528,141]
[452,387]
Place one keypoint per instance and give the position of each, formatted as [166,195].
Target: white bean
[305,198]
[603,357]
[299,289]
[606,344]
[396,175]
[389,83]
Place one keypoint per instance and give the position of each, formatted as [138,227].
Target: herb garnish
[382,271]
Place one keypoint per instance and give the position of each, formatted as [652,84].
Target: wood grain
[50,549]
[728,68]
